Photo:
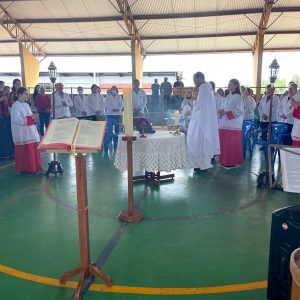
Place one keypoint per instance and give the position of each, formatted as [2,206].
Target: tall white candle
[128,115]
[176,118]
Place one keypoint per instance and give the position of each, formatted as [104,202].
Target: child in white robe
[25,136]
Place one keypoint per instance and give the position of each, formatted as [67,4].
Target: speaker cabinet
[285,238]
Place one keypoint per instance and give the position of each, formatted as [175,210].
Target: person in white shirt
[81,104]
[264,110]
[139,99]
[113,103]
[96,102]
[249,104]
[139,105]
[113,107]
[62,102]
[231,123]
[202,136]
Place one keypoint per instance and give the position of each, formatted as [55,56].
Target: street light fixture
[266,177]
[274,69]
[54,166]
[52,72]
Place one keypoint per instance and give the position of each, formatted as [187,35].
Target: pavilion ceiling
[96,27]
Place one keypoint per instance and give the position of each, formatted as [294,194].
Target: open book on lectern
[290,162]
[73,135]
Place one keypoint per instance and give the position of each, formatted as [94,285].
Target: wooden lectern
[82,136]
[85,268]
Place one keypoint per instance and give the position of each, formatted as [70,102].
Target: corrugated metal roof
[287,3]
[76,30]
[286,21]
[184,6]
[213,25]
[87,47]
[212,44]
[199,26]
[60,8]
[289,41]
[9,48]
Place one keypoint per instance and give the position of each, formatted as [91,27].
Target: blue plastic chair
[278,132]
[258,141]
[278,135]
[248,127]
[111,133]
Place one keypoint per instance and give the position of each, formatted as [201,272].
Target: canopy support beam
[137,49]
[258,47]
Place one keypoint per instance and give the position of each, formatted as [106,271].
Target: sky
[219,68]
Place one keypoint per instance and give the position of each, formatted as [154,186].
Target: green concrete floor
[199,231]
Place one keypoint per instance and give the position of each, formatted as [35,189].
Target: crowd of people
[164,91]
[23,120]
[212,120]
[230,109]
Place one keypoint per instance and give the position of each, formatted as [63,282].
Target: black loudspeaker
[285,238]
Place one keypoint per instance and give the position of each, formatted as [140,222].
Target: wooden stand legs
[131,214]
[85,268]
[153,177]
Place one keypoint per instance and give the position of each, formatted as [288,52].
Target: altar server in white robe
[62,101]
[264,109]
[81,104]
[231,127]
[249,105]
[219,100]
[186,113]
[25,135]
[203,136]
[96,102]
[188,99]
[286,108]
[295,101]
[296,126]
[139,105]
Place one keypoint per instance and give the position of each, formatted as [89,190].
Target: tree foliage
[280,85]
[296,79]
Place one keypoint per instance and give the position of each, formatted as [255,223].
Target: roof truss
[16,31]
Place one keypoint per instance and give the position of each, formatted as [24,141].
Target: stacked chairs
[113,128]
[279,133]
[257,141]
[248,127]
[278,136]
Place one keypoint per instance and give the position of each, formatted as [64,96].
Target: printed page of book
[90,135]
[59,133]
[290,170]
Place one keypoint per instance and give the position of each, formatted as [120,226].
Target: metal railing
[72,90]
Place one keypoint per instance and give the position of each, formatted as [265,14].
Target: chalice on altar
[177,127]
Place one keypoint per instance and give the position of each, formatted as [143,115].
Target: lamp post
[54,166]
[273,69]
[52,70]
